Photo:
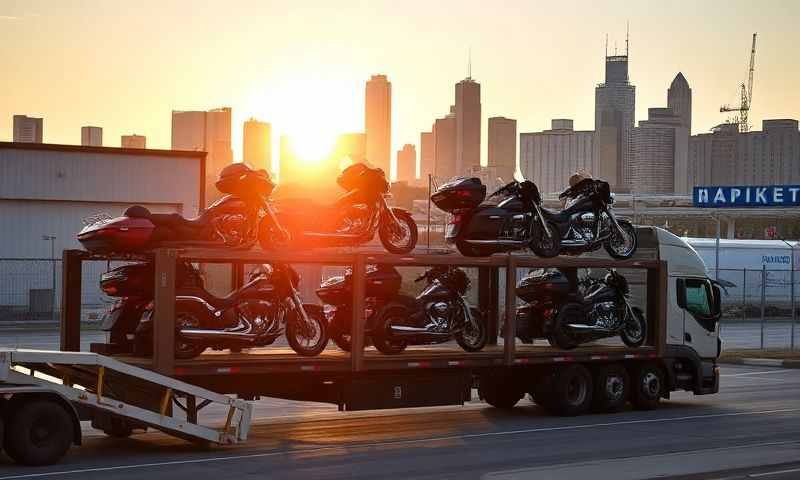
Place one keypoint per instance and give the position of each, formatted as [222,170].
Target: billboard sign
[746,196]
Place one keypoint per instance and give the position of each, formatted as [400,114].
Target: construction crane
[746,95]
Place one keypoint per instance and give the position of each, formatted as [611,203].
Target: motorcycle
[240,219]
[354,218]
[383,283]
[570,312]
[439,313]
[513,218]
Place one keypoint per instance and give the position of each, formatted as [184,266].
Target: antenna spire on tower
[606,44]
[469,63]
[627,36]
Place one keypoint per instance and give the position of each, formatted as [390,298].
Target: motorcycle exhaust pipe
[584,328]
[406,330]
[197,334]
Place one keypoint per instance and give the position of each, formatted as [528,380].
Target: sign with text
[746,196]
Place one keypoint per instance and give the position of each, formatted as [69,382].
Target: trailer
[667,276]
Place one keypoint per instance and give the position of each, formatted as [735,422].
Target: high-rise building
[28,129]
[378,122]
[208,131]
[615,104]
[352,146]
[660,154]
[679,99]
[257,144]
[503,147]
[91,136]
[133,141]
[288,161]
[407,164]
[548,158]
[468,125]
[427,156]
[728,157]
[444,138]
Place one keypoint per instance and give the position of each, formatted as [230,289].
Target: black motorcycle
[569,312]
[383,284]
[439,313]
[255,315]
[354,218]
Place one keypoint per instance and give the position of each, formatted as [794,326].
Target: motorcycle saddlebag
[460,193]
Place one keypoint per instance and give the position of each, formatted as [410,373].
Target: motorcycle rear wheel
[389,237]
[560,336]
[187,317]
[544,246]
[473,337]
[308,340]
[468,250]
[385,342]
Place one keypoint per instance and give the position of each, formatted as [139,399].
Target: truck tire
[499,393]
[648,383]
[38,433]
[611,388]
[571,394]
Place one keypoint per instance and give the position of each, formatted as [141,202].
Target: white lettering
[702,195]
[760,198]
[747,196]
[720,196]
[777,195]
[735,193]
[794,191]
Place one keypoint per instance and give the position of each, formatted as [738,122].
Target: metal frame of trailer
[363,379]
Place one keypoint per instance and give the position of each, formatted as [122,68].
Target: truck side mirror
[681,292]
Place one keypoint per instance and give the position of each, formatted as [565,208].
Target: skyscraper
[679,99]
[288,161]
[427,156]
[91,136]
[257,144]
[615,103]
[503,147]
[407,164]
[468,125]
[378,122]
[28,129]
[444,135]
[660,154]
[352,146]
[209,132]
[133,141]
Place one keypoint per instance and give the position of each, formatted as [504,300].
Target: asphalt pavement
[751,429]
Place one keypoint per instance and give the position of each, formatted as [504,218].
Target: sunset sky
[301,65]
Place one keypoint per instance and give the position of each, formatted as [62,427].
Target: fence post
[744,296]
[763,300]
[794,305]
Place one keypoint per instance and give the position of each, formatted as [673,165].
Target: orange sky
[302,65]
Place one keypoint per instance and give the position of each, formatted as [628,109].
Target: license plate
[451,230]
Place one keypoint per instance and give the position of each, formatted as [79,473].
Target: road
[752,427]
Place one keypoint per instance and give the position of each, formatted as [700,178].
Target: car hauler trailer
[679,354]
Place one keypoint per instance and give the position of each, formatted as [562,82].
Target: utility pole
[52,240]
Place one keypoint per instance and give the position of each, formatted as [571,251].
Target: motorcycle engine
[233,228]
[439,313]
[355,219]
[604,315]
[259,314]
[584,225]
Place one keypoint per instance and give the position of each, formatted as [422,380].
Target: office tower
[615,103]
[350,148]
[257,144]
[407,164]
[378,122]
[208,131]
[548,158]
[133,141]
[503,147]
[91,136]
[468,125]
[444,135]
[660,154]
[427,156]
[679,99]
[28,129]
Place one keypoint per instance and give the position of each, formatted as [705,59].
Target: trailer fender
[20,395]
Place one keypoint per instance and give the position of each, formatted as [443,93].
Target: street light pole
[52,240]
[791,279]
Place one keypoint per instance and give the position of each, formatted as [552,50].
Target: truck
[668,277]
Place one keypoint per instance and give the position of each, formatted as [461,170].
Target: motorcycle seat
[555,215]
[170,220]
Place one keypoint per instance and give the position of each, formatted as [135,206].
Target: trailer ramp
[105,386]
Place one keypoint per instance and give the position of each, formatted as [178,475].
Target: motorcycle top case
[240,179]
[361,177]
[543,285]
[460,193]
[121,234]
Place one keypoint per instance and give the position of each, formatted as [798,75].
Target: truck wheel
[648,383]
[499,393]
[38,433]
[572,391]
[611,388]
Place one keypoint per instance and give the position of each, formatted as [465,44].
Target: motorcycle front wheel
[270,237]
[402,238]
[634,331]
[472,338]
[543,245]
[308,339]
[622,245]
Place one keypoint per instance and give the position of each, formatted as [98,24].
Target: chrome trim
[496,242]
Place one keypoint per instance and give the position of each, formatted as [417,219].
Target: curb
[763,362]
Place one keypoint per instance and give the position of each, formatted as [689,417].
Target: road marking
[778,472]
[766,372]
[396,442]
